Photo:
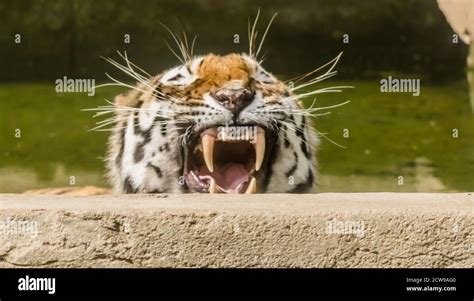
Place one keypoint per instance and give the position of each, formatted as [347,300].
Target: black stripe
[269,170]
[128,186]
[293,168]
[285,136]
[139,152]
[305,186]
[147,134]
[177,76]
[136,124]
[304,142]
[139,149]
[159,94]
[157,170]
[165,146]
[292,120]
[304,148]
[163,129]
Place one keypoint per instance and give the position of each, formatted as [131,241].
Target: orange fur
[216,71]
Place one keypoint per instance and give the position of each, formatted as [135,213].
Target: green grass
[388,132]
[54,130]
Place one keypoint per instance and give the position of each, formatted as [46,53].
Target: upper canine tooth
[208,150]
[252,188]
[259,150]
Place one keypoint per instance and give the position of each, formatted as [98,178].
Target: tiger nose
[234,100]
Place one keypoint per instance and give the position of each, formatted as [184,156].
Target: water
[395,142]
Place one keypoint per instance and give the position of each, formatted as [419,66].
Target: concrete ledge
[321,230]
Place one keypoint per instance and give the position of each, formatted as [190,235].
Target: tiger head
[214,124]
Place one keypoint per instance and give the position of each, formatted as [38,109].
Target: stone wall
[320,230]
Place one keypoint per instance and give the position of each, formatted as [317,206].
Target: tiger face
[215,124]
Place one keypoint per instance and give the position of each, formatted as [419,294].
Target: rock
[199,230]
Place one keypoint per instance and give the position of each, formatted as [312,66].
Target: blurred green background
[391,135]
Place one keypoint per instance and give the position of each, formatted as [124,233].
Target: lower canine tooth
[252,188]
[208,150]
[213,186]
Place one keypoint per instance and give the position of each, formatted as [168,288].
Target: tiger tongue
[230,177]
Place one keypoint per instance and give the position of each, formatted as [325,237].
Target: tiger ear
[129,98]
[122,99]
[178,76]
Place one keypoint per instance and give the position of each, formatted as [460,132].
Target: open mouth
[227,159]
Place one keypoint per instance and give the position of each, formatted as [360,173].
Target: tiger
[171,131]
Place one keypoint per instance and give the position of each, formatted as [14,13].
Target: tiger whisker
[329,139]
[316,80]
[192,45]
[126,70]
[181,42]
[290,128]
[328,107]
[174,53]
[131,72]
[122,84]
[142,79]
[178,42]
[334,89]
[253,35]
[334,61]
[265,34]
[324,135]
[126,58]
